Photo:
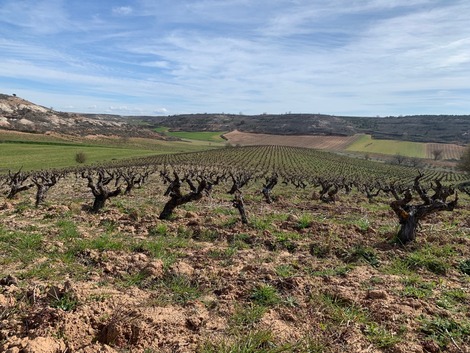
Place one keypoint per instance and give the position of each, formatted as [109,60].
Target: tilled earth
[303,276]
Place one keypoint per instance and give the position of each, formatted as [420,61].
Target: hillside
[425,128]
[21,115]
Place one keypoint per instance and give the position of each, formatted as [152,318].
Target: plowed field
[333,143]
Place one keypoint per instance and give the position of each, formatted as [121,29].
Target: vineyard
[241,249]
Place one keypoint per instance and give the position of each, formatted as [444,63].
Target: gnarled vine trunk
[410,215]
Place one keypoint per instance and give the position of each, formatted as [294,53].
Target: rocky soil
[303,276]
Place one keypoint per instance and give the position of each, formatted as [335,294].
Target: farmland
[206,136]
[37,151]
[302,275]
[361,143]
[368,145]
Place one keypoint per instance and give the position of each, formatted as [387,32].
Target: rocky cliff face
[20,115]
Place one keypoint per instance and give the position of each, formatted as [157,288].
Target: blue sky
[342,57]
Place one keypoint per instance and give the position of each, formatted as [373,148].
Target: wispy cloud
[372,57]
[122,10]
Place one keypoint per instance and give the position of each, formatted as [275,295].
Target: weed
[65,302]
[180,289]
[253,342]
[431,258]
[305,221]
[160,229]
[133,279]
[320,250]
[287,240]
[464,267]
[445,330]
[457,294]
[360,252]
[337,271]
[338,309]
[285,270]
[19,246]
[67,229]
[415,287]
[380,336]
[260,223]
[245,317]
[265,295]
[363,224]
[23,206]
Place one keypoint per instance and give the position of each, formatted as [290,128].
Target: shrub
[81,157]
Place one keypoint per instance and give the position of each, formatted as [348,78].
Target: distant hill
[21,115]
[422,128]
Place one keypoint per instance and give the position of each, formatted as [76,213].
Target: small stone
[376,294]
[182,269]
[13,350]
[431,347]
[8,281]
[190,214]
[154,269]
[292,218]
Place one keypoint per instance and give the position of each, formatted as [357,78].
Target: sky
[165,57]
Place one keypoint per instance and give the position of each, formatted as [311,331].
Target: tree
[398,159]
[437,153]
[415,162]
[133,177]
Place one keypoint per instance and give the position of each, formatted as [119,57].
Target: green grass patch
[367,144]
[33,156]
[253,342]
[207,136]
[446,331]
[37,151]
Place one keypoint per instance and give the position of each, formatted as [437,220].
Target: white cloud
[161,111]
[122,10]
[240,55]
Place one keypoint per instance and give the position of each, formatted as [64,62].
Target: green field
[36,151]
[38,156]
[205,136]
[367,144]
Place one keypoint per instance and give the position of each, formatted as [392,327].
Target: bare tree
[415,162]
[409,215]
[437,153]
[399,159]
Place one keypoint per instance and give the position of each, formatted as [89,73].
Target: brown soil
[126,298]
[333,143]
